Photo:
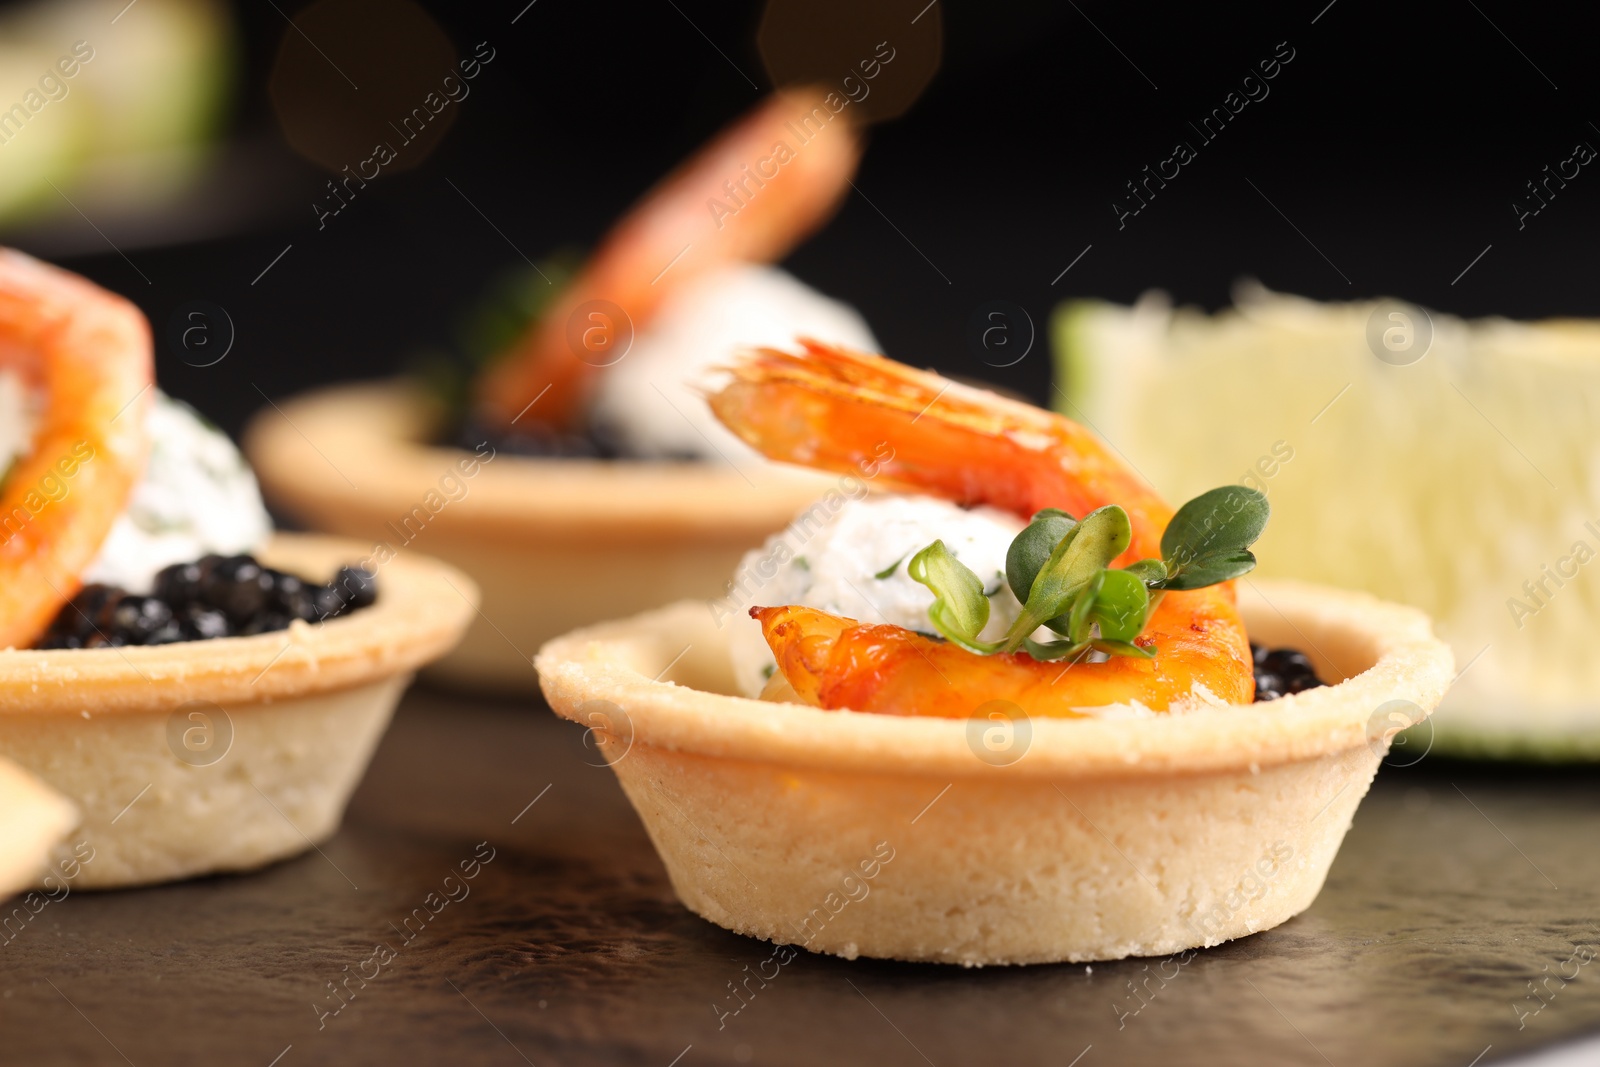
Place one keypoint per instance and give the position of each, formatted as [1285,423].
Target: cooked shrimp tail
[834,409]
[88,354]
[750,195]
[831,408]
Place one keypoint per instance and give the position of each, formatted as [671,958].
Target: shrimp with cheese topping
[828,408]
[88,354]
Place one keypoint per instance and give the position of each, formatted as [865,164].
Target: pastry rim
[1407,662]
[378,427]
[422,608]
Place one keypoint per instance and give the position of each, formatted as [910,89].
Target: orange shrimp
[750,195]
[832,408]
[89,353]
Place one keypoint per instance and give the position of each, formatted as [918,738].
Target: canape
[226,754]
[203,693]
[1107,837]
[564,459]
[1066,749]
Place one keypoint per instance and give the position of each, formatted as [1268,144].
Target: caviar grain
[211,597]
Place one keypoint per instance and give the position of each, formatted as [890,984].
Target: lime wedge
[1449,464]
[38,143]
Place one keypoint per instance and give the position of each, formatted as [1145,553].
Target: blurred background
[181,163]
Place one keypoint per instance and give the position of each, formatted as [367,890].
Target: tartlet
[1109,836]
[552,543]
[561,542]
[226,754]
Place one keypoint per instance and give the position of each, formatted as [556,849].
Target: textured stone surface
[570,949]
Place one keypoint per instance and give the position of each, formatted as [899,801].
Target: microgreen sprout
[1059,569]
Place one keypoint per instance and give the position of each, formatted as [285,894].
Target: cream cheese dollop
[852,561]
[18,415]
[197,496]
[650,403]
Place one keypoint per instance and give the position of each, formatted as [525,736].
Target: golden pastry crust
[419,615]
[1105,837]
[379,428]
[612,662]
[227,754]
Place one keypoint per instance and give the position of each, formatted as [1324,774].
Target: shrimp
[831,408]
[750,195]
[89,354]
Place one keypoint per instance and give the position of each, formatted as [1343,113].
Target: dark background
[1395,141]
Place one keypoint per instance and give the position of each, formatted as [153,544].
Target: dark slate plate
[1459,890]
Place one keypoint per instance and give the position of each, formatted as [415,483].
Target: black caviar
[539,440]
[532,438]
[214,596]
[1282,671]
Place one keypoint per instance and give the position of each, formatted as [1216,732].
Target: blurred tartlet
[203,709]
[564,459]
[226,754]
[551,543]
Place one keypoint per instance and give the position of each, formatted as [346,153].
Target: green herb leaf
[1051,650]
[1207,541]
[1079,619]
[888,571]
[1123,648]
[960,610]
[1032,547]
[1059,568]
[1214,569]
[1152,572]
[1121,603]
[1102,536]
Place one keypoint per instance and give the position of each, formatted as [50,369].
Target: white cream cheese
[649,402]
[17,419]
[836,567]
[197,496]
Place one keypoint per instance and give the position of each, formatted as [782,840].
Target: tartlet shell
[304,707]
[1109,837]
[553,544]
